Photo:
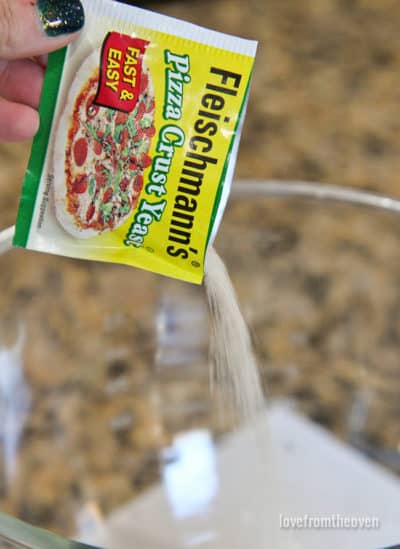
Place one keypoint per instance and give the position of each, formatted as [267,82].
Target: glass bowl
[109,431]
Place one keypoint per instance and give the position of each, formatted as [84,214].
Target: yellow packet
[140,125]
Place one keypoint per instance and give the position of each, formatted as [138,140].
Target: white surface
[317,475]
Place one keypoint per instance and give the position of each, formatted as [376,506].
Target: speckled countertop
[319,284]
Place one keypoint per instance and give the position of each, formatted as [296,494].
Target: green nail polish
[61,16]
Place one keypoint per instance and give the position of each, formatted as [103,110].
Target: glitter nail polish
[61,16]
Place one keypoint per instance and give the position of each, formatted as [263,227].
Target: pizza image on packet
[141,118]
[100,154]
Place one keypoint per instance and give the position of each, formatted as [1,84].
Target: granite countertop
[318,283]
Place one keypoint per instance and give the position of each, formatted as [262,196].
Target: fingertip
[27,127]
[33,28]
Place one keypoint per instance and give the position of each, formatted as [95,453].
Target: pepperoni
[121,118]
[107,196]
[145,161]
[141,109]
[124,183]
[133,164]
[124,138]
[149,132]
[97,147]
[90,212]
[80,151]
[80,184]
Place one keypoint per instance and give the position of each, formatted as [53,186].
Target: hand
[28,31]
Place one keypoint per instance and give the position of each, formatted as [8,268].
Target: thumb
[35,27]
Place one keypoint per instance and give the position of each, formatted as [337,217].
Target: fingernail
[61,16]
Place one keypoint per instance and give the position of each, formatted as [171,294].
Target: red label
[120,71]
